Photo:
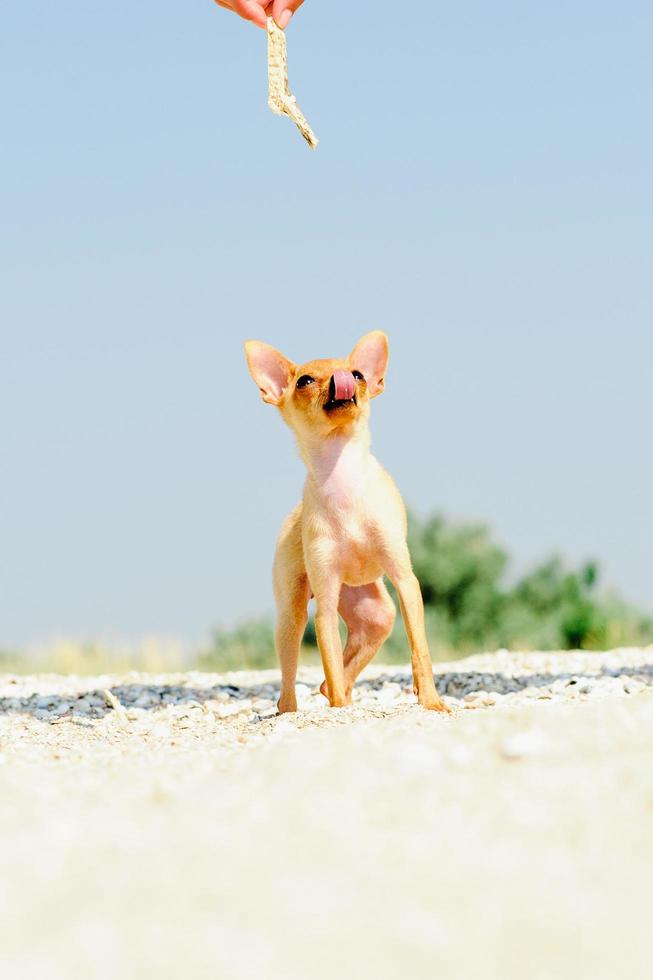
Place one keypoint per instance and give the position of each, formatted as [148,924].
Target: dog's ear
[370,357]
[270,369]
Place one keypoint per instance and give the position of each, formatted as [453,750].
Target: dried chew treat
[280,99]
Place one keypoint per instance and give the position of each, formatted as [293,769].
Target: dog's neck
[338,466]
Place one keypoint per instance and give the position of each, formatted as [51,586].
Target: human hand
[259,10]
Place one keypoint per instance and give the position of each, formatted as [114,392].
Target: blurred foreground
[172,826]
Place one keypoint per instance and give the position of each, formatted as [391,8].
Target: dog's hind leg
[369,614]
[292,594]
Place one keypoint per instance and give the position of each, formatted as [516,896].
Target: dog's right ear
[270,369]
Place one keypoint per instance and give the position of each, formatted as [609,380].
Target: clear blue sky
[482,191]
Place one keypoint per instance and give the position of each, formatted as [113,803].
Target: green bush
[469,606]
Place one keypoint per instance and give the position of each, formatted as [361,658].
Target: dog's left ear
[370,357]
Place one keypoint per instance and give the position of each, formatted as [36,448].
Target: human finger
[282,11]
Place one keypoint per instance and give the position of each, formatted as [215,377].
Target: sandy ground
[173,827]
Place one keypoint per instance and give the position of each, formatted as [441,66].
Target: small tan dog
[350,529]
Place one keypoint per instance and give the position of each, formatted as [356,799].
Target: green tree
[460,570]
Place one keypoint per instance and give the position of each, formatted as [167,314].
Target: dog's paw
[347,699]
[286,705]
[435,704]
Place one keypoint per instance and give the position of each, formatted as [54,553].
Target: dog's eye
[305,380]
[358,375]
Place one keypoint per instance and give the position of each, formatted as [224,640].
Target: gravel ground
[173,825]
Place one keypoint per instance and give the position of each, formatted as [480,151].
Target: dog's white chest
[343,485]
[342,475]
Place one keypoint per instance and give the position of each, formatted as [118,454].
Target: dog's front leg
[324,574]
[412,610]
[327,597]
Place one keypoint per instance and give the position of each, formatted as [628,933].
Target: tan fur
[348,532]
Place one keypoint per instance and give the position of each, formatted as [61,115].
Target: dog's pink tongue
[344,385]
